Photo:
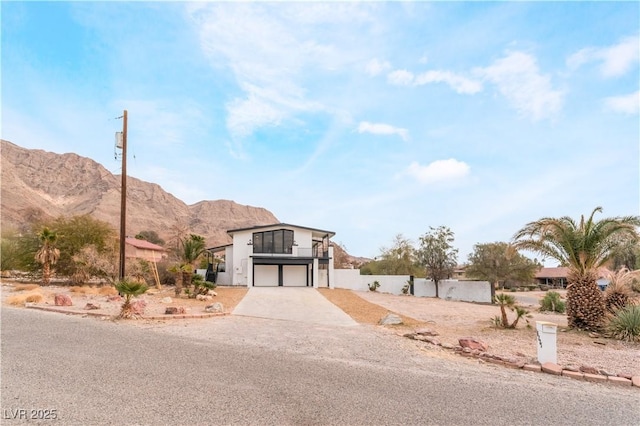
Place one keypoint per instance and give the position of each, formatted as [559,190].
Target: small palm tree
[582,246]
[129,289]
[192,248]
[507,301]
[48,254]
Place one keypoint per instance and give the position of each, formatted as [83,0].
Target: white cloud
[376,67]
[626,104]
[458,83]
[439,171]
[382,129]
[519,80]
[614,60]
[400,78]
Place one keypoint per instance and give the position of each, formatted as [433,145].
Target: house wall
[468,291]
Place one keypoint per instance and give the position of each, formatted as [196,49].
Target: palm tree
[583,247]
[48,254]
[129,289]
[192,248]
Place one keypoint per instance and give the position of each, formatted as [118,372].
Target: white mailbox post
[546,335]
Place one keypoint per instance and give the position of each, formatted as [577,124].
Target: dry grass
[85,289]
[21,299]
[26,287]
[361,310]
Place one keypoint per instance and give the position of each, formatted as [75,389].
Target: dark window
[278,242]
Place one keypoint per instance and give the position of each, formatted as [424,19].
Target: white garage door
[265,275]
[294,275]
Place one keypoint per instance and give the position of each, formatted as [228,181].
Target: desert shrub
[107,291]
[21,299]
[619,292]
[552,302]
[506,301]
[374,286]
[26,287]
[625,324]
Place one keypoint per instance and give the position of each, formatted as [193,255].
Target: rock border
[143,317]
[584,373]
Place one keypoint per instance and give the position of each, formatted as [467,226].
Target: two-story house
[275,255]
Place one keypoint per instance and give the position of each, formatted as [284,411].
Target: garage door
[265,275]
[294,275]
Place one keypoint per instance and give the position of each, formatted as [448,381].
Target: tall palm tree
[583,247]
[192,248]
[48,254]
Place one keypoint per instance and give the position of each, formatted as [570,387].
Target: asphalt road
[237,370]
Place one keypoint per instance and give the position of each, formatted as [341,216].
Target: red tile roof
[144,244]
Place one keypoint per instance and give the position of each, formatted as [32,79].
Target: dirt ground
[451,320]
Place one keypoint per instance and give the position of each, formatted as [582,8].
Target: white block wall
[467,291]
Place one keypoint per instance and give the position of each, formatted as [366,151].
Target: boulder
[137,307]
[391,319]
[211,293]
[473,343]
[174,310]
[214,308]
[91,306]
[63,300]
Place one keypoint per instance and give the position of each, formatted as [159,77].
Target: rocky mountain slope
[37,183]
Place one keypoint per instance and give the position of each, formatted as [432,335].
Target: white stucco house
[278,255]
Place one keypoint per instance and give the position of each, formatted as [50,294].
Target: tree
[500,262]
[77,232]
[582,246]
[48,254]
[192,248]
[129,289]
[437,255]
[151,236]
[399,259]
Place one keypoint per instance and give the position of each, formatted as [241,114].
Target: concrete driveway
[301,304]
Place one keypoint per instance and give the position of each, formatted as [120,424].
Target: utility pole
[123,196]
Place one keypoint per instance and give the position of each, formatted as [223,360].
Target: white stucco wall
[468,291]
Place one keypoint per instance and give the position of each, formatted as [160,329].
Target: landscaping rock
[446,345]
[174,310]
[214,308]
[589,370]
[552,368]
[426,332]
[391,319]
[473,343]
[211,293]
[166,300]
[63,300]
[91,306]
[619,381]
[204,297]
[137,307]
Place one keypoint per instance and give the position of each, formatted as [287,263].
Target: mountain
[40,184]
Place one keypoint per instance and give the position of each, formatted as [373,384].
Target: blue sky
[368,119]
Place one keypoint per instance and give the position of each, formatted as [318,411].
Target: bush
[625,324]
[552,303]
[374,286]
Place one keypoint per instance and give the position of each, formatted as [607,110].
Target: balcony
[308,252]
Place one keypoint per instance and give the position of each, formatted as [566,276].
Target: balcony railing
[298,252]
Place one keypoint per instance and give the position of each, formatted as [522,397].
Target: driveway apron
[292,304]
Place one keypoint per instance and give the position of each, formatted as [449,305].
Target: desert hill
[37,183]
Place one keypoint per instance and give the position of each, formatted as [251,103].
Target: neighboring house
[557,277]
[142,249]
[278,255]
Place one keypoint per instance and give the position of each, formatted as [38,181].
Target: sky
[368,119]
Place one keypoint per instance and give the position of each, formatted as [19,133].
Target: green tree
[151,236]
[399,259]
[500,262]
[10,252]
[437,254]
[77,232]
[129,289]
[582,246]
[192,248]
[48,254]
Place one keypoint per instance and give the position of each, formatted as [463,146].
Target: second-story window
[278,242]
